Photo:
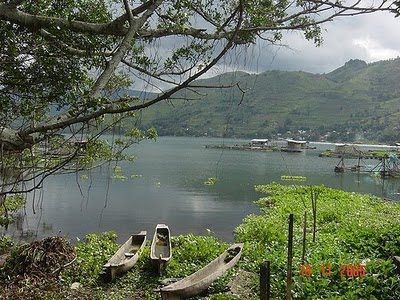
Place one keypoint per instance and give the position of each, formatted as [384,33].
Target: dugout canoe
[199,281]
[160,252]
[126,256]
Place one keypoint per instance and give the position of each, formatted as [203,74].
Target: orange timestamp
[348,271]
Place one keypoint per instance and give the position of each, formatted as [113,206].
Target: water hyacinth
[351,229]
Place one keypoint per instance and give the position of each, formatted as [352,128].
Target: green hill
[357,101]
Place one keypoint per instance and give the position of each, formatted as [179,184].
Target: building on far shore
[294,146]
[259,143]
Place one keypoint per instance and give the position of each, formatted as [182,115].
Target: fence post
[290,257]
[304,237]
[265,281]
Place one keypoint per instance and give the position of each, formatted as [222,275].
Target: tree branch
[11,139]
[129,12]
[103,79]
[116,27]
[34,22]
[111,109]
[71,50]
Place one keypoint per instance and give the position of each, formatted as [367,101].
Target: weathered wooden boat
[126,256]
[160,252]
[199,281]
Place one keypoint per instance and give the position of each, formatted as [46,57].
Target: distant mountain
[357,101]
[350,69]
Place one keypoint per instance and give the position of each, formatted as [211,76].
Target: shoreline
[344,219]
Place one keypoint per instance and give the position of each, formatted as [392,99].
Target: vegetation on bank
[382,153]
[189,254]
[351,229]
[11,205]
[377,154]
[5,244]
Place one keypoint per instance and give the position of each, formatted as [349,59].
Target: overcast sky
[370,37]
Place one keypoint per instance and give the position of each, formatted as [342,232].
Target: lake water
[166,185]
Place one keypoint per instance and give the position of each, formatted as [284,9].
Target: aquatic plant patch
[294,178]
[356,237]
[210,181]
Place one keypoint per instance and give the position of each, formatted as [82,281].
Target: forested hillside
[356,102]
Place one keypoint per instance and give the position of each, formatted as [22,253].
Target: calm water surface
[166,185]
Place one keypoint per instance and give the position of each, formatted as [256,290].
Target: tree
[63,65]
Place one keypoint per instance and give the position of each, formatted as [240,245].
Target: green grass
[351,228]
[190,253]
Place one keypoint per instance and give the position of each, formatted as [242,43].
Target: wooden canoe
[160,252]
[199,281]
[126,256]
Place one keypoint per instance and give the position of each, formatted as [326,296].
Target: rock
[76,286]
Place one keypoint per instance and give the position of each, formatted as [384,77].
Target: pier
[386,167]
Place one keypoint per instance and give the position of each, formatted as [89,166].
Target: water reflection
[166,185]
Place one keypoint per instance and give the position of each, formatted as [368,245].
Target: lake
[166,185]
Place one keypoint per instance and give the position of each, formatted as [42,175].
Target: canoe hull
[126,256]
[199,281]
[160,252]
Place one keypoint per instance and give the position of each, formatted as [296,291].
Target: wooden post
[264,281]
[304,237]
[384,166]
[290,258]
[314,197]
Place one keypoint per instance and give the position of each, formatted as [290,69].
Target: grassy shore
[351,229]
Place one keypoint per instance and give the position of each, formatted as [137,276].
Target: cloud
[370,37]
[374,50]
